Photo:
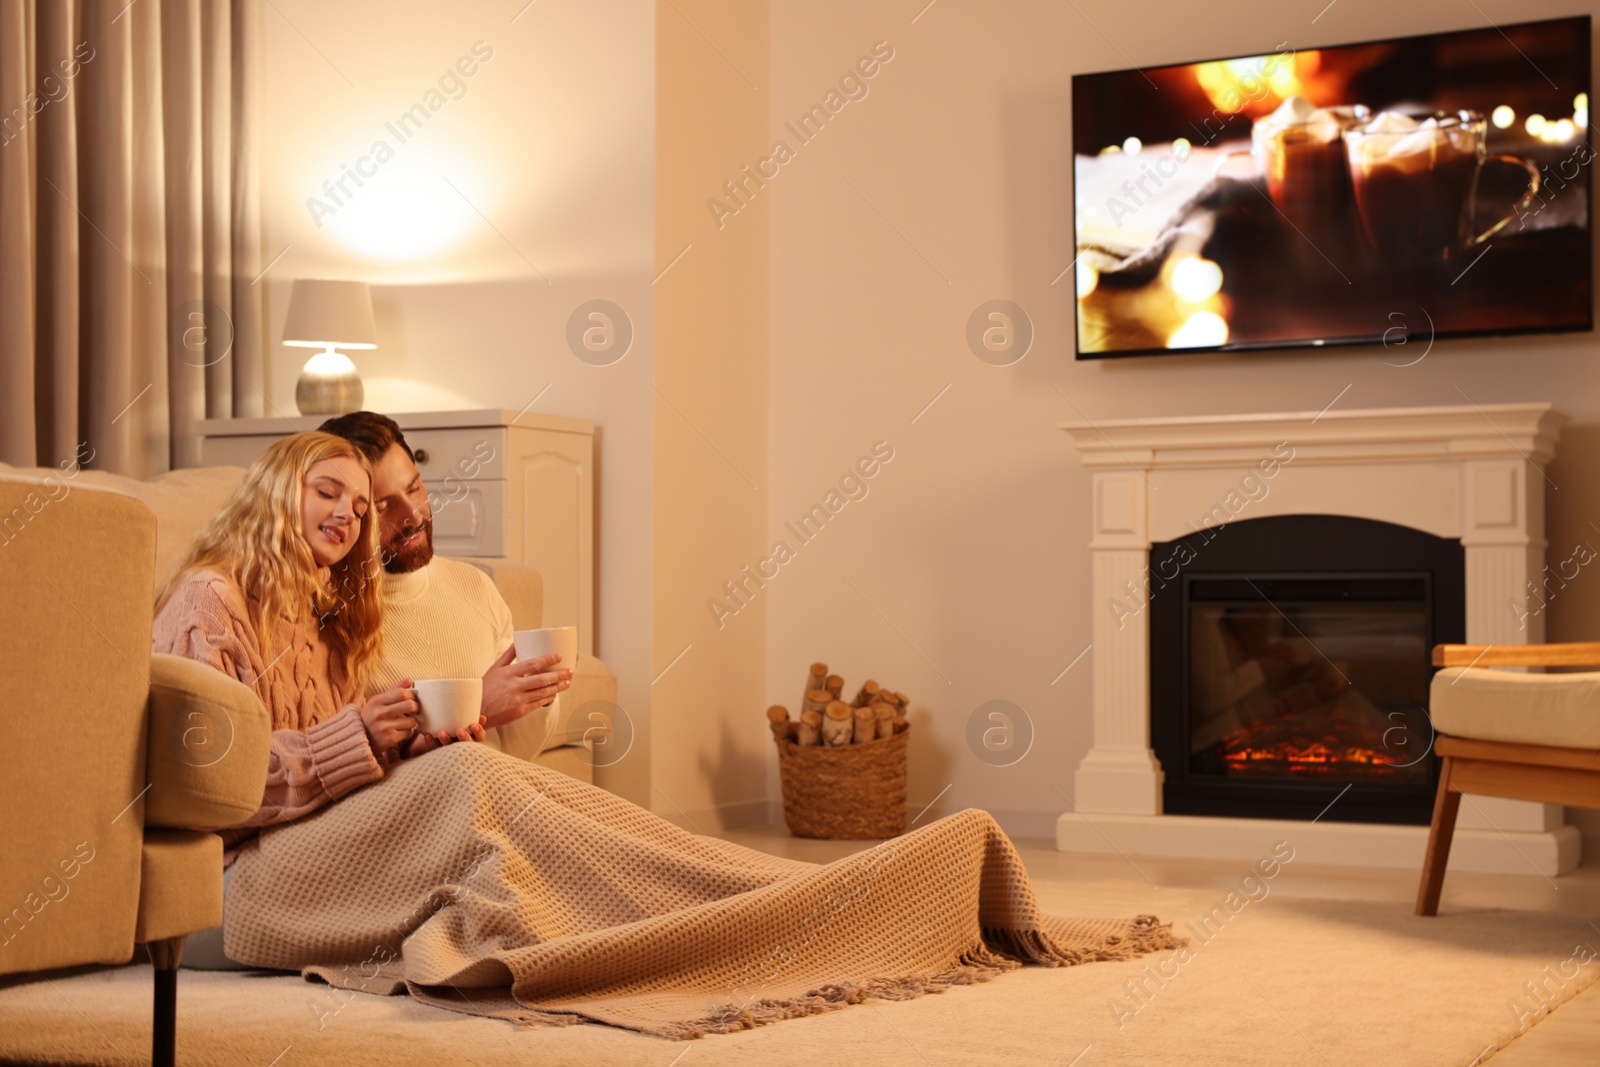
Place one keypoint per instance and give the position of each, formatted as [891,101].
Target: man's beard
[411,557]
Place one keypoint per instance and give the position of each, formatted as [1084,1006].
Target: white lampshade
[330,314]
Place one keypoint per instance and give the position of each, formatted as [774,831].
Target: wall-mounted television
[1420,187]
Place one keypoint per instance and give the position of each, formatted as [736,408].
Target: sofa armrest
[520,586]
[210,738]
[581,715]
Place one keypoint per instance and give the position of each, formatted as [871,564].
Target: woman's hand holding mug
[390,718]
[427,742]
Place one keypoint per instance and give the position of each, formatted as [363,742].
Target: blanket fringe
[1000,951]
[977,965]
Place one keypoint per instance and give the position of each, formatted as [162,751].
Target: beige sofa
[112,750]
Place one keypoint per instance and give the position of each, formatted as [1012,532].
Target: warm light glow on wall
[410,208]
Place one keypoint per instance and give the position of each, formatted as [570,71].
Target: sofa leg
[164,955]
[1443,828]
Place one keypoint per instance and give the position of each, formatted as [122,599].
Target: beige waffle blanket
[483,883]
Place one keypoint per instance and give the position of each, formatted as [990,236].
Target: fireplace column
[1121,773]
[1502,531]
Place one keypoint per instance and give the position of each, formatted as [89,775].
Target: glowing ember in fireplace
[1344,750]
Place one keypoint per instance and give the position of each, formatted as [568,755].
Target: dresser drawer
[459,455]
[467,516]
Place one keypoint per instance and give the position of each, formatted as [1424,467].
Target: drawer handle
[421,455]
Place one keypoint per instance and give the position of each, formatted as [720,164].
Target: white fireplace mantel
[1473,473]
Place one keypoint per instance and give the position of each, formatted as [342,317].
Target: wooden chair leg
[1440,832]
[164,956]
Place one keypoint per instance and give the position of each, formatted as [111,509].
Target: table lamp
[329,315]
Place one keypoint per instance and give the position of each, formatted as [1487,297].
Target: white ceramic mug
[562,639]
[448,703]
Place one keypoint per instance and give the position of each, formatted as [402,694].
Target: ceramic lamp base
[329,385]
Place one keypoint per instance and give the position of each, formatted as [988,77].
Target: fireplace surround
[1468,474]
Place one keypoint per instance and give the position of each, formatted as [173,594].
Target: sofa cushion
[1562,710]
[182,500]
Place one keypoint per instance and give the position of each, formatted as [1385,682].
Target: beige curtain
[129,228]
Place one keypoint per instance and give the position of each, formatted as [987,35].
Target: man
[443,618]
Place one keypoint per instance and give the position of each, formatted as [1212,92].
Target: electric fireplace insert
[1290,666]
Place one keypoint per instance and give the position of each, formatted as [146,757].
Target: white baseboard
[1548,853]
[733,816]
[1019,823]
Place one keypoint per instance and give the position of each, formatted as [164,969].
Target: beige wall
[549,146]
[710,748]
[972,543]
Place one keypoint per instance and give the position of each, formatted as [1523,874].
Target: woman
[484,883]
[280,591]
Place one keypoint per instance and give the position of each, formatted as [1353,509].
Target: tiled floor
[1569,1036]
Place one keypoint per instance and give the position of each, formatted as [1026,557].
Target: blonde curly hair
[255,539]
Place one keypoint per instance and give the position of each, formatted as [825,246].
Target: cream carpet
[1287,980]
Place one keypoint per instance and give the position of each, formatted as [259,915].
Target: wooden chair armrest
[1568,654]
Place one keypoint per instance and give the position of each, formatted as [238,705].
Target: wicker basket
[844,792]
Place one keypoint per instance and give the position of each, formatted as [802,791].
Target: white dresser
[503,485]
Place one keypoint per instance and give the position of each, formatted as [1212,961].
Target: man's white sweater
[447,620]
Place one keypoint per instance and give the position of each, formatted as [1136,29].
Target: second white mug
[562,639]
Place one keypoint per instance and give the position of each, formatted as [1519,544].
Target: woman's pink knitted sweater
[320,750]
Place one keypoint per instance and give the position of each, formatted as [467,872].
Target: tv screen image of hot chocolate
[1386,192]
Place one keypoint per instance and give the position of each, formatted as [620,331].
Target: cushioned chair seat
[1560,710]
